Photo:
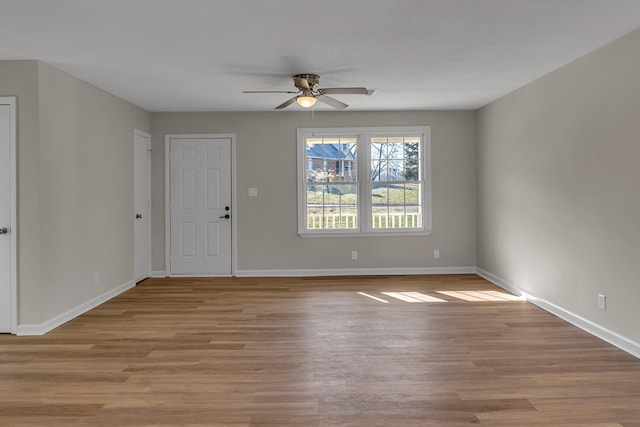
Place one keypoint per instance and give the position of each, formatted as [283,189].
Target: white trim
[49,325]
[601,332]
[14,212]
[428,184]
[158,274]
[11,101]
[203,275]
[148,137]
[234,206]
[167,187]
[355,272]
[167,197]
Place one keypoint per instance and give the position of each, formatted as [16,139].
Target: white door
[141,205]
[7,215]
[199,199]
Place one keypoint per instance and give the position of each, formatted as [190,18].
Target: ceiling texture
[199,55]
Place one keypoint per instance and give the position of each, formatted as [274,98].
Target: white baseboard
[158,273]
[53,323]
[355,272]
[601,332]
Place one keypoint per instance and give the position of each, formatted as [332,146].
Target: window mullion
[302,183]
[365,182]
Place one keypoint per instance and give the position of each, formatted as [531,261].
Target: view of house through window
[332,190]
[363,180]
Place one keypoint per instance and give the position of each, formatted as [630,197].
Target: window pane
[396,206]
[396,150]
[348,217]
[379,194]
[332,206]
[378,170]
[331,160]
[412,159]
[395,159]
[345,163]
[379,217]
[378,161]
[396,170]
[413,206]
[411,170]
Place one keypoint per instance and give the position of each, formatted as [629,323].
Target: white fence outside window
[350,221]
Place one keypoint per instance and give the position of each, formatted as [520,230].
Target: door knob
[138,216]
[227,216]
[5,230]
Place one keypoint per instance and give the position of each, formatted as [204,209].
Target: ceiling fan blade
[331,101]
[301,83]
[286,103]
[345,90]
[269,91]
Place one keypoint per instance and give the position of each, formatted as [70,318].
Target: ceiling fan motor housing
[312,79]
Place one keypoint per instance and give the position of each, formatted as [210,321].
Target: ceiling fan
[309,92]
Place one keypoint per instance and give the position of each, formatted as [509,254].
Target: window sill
[367,234]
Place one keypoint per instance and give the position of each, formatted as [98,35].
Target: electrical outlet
[602,302]
[96,278]
[354,255]
[436,254]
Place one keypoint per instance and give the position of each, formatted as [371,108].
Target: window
[364,181]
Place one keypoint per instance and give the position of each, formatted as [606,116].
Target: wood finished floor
[315,352]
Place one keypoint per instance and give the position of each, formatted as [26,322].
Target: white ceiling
[199,55]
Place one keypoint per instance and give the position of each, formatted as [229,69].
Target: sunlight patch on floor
[372,297]
[401,296]
[482,295]
[413,297]
[473,296]
[422,297]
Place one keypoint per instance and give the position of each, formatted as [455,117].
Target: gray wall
[75,186]
[559,187]
[267,224]
[86,189]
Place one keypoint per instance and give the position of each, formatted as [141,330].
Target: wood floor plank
[244,352]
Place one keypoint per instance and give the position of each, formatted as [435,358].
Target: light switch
[253,192]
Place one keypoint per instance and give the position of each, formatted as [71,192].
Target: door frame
[11,101]
[167,196]
[137,132]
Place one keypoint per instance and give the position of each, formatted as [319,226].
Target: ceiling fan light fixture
[306,101]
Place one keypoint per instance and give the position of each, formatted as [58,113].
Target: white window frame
[365,185]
